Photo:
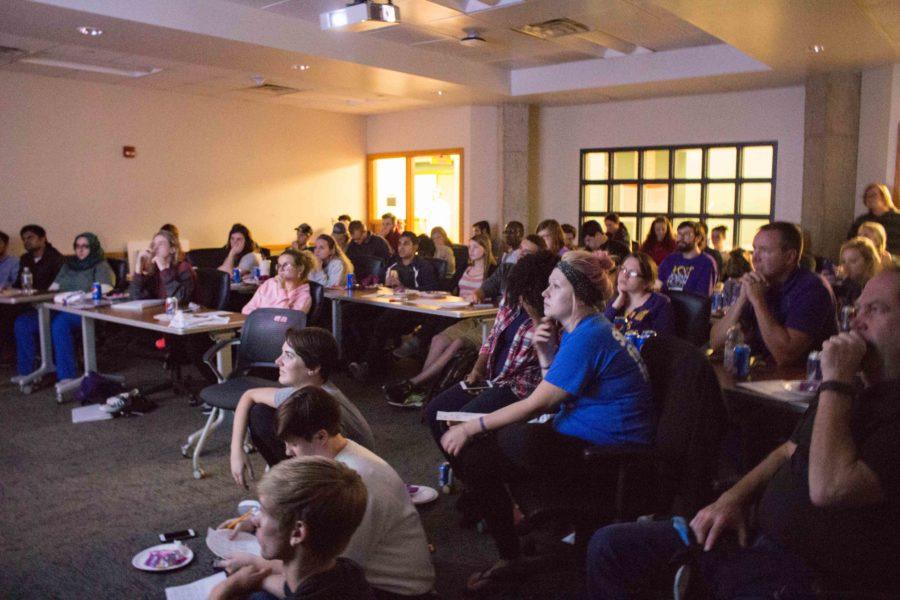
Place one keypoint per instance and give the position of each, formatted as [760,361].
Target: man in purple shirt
[784,309]
[688,269]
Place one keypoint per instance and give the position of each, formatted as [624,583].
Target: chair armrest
[215,349]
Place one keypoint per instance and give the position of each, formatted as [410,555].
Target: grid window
[722,184]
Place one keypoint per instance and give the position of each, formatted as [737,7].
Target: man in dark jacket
[364,243]
[41,258]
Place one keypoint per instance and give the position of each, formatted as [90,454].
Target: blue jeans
[635,560]
[62,332]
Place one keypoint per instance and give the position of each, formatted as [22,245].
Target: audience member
[161,271]
[334,266]
[595,240]
[512,238]
[304,237]
[616,230]
[289,288]
[363,243]
[571,236]
[41,258]
[78,274]
[443,248]
[597,380]
[389,230]
[345,219]
[875,232]
[507,358]
[637,302]
[484,228]
[9,265]
[551,231]
[859,263]
[408,271]
[660,240]
[444,341]
[308,358]
[309,510]
[877,198]
[494,285]
[243,253]
[426,248]
[341,235]
[706,249]
[688,269]
[784,311]
[717,239]
[171,229]
[826,500]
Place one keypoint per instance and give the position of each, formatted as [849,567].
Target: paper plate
[802,388]
[424,495]
[140,559]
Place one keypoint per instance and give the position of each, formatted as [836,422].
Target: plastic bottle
[27,280]
[734,337]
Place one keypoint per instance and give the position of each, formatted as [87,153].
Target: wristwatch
[841,387]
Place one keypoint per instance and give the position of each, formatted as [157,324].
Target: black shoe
[397,391]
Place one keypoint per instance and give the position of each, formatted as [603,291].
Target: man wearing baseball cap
[304,233]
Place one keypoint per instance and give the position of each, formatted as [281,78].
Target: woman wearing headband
[594,381]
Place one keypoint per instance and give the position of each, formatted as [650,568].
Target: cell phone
[184,534]
[475,388]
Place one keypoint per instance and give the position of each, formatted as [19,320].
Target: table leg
[26,382]
[89,351]
[336,325]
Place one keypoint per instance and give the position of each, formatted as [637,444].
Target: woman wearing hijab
[78,274]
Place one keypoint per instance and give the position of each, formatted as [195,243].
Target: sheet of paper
[91,412]
[218,542]
[197,590]
[774,388]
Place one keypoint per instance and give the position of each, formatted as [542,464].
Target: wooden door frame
[410,208]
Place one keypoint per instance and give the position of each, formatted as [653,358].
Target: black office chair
[673,476]
[213,288]
[317,308]
[366,266]
[120,268]
[461,254]
[440,267]
[258,347]
[206,257]
[691,316]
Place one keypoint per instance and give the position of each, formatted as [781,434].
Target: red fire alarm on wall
[129,151]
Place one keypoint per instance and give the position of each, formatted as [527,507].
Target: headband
[584,289]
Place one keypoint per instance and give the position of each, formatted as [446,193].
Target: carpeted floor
[78,501]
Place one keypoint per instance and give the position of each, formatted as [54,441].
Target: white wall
[879,118]
[472,128]
[764,115]
[201,163]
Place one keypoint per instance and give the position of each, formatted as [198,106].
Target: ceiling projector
[364,15]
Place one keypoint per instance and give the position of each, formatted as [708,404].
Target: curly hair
[528,278]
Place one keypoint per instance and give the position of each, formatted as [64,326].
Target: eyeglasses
[285,265]
[88,246]
[631,274]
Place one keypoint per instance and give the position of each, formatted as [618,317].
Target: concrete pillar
[830,149]
[514,173]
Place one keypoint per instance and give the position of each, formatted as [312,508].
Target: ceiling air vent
[270,89]
[553,28]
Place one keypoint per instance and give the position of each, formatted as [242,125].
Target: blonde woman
[443,248]
[877,198]
[875,232]
[859,263]
[289,288]
[334,264]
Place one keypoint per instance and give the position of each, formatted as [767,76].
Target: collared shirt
[272,294]
[521,370]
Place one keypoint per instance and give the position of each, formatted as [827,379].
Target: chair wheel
[186,451]
[199,473]
[26,389]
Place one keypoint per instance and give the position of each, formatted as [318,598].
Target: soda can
[741,361]
[445,475]
[813,367]
[171,305]
[621,324]
[634,337]
[96,292]
[256,273]
[349,281]
[718,302]
[236,275]
[848,311]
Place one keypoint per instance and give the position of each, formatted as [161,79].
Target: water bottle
[27,280]
[733,338]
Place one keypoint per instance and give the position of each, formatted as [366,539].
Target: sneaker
[408,348]
[412,400]
[359,370]
[397,391]
[116,403]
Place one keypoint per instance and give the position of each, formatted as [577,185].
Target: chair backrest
[263,335]
[440,267]
[461,253]
[690,426]
[206,257]
[317,293]
[691,316]
[120,268]
[367,265]
[213,288]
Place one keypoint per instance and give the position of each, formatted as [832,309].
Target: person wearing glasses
[289,288]
[637,302]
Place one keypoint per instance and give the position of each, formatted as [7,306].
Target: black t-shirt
[344,582]
[847,547]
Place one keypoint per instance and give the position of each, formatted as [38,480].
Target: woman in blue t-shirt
[593,378]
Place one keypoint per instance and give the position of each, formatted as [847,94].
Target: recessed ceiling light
[301,67]
[816,49]
[91,31]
